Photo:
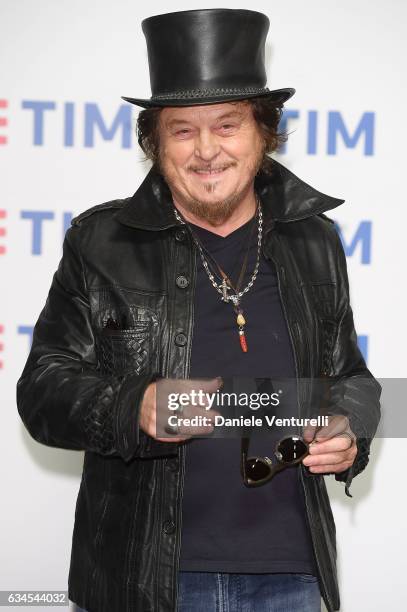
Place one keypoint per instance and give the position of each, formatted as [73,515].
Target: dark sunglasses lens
[291,449]
[257,469]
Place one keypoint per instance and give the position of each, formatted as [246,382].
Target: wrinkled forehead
[203,113]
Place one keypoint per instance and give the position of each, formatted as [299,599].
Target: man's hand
[154,411]
[332,448]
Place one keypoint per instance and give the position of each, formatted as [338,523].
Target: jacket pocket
[128,350]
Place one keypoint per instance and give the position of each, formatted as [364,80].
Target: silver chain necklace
[223,288]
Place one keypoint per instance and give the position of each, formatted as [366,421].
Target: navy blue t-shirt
[227,527]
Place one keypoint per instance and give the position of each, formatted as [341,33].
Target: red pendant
[243,342]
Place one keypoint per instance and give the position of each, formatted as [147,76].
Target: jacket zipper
[298,412]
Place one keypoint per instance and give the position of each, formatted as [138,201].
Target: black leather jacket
[81,386]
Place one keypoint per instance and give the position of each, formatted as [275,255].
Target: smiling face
[209,156]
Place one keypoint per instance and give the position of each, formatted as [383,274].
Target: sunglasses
[256,471]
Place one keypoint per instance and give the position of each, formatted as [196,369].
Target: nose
[206,145]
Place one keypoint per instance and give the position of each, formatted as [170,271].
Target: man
[221,265]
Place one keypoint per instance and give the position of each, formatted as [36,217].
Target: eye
[228,127]
[182,132]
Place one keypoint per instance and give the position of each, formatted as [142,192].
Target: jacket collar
[284,196]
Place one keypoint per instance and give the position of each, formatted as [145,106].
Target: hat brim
[276,95]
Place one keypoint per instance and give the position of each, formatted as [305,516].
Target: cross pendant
[224,291]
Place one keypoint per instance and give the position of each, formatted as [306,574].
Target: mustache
[211,168]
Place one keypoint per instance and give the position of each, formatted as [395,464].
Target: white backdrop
[63,62]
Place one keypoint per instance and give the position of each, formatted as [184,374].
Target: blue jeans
[216,592]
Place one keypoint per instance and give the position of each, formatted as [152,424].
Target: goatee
[216,212]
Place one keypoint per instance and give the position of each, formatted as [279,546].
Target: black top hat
[208,55]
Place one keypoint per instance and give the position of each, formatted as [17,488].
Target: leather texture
[84,379]
[207,55]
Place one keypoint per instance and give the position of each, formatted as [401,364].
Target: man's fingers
[173,393]
[332,448]
[309,433]
[336,468]
[336,425]
[195,422]
[173,439]
[190,411]
[325,459]
[186,385]
[338,443]
[207,385]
